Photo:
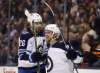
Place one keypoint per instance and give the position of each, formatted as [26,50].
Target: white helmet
[36,17]
[33,17]
[53,28]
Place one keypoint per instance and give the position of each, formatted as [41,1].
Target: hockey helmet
[36,17]
[35,21]
[33,17]
[53,28]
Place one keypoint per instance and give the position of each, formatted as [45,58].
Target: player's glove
[24,56]
[37,56]
[71,54]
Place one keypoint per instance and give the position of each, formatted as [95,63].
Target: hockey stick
[37,49]
[35,36]
[29,19]
[48,6]
[67,34]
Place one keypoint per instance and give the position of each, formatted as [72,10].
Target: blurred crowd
[74,23]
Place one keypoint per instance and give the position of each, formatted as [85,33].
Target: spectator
[91,44]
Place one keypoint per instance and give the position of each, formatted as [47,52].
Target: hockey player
[61,57]
[35,54]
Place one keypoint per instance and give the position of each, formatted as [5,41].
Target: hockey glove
[71,54]
[37,56]
[24,56]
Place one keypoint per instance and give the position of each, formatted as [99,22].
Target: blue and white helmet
[33,17]
[54,28]
[36,17]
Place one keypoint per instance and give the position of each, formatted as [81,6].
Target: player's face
[38,26]
[48,35]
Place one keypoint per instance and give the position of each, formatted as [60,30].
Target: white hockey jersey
[60,62]
[31,48]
